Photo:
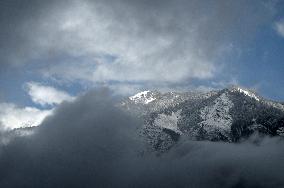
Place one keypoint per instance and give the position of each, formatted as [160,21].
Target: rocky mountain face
[229,115]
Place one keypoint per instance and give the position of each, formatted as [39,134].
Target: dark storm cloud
[19,20]
[91,143]
[16,21]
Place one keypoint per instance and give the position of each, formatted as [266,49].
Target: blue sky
[53,51]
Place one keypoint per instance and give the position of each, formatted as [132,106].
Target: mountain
[8,135]
[230,115]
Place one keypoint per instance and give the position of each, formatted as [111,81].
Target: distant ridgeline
[226,115]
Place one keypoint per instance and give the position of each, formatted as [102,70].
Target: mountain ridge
[230,115]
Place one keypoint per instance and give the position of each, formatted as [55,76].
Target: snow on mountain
[217,116]
[168,121]
[246,92]
[229,115]
[226,115]
[143,97]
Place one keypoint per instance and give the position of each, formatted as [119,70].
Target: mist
[90,142]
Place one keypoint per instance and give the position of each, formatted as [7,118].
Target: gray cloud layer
[91,143]
[128,41]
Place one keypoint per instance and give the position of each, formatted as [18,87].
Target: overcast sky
[51,51]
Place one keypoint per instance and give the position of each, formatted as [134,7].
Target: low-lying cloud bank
[92,143]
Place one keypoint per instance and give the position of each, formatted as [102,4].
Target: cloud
[127,49]
[130,41]
[279,27]
[46,95]
[12,116]
[92,143]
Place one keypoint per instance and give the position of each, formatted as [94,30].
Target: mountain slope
[227,115]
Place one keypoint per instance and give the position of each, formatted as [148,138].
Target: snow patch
[217,117]
[144,97]
[247,93]
[168,121]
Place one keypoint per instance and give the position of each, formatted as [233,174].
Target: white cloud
[46,95]
[133,41]
[141,53]
[12,116]
[165,41]
[279,27]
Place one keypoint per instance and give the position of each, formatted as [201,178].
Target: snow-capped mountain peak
[229,115]
[246,92]
[143,97]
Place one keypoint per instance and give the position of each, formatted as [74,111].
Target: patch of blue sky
[262,64]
